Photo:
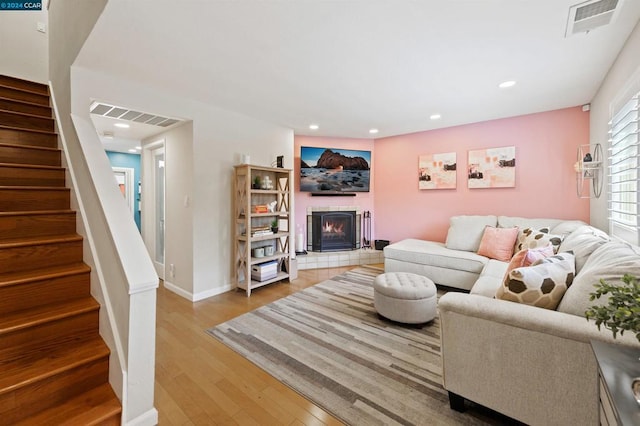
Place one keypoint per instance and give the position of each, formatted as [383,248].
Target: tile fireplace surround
[333,259]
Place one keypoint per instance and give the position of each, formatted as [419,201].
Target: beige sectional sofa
[455,263]
[532,364]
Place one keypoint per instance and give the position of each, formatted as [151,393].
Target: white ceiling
[354,65]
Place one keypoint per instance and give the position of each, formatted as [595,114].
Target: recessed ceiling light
[122,125]
[435,116]
[107,135]
[138,147]
[506,84]
[133,150]
[373,131]
[314,126]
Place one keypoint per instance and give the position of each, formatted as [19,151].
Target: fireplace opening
[333,231]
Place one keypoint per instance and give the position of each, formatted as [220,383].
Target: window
[623,171]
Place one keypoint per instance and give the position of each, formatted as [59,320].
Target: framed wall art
[437,171]
[492,168]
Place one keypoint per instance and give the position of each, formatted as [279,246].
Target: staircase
[54,366]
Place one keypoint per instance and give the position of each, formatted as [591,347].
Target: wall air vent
[106,110]
[585,16]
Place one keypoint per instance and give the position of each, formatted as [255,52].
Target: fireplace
[333,231]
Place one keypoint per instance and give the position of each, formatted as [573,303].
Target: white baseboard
[198,296]
[148,418]
[212,292]
[177,290]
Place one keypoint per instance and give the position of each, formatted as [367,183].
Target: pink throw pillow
[497,243]
[527,257]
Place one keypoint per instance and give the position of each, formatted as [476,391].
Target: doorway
[153,229]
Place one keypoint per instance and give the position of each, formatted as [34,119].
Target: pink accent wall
[364,200]
[546,145]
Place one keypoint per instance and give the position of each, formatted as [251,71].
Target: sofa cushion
[490,278]
[435,254]
[566,227]
[465,232]
[526,222]
[610,261]
[530,238]
[497,243]
[542,284]
[582,242]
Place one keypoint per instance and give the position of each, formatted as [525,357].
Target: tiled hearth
[314,260]
[332,259]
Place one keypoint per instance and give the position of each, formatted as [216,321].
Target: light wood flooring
[200,381]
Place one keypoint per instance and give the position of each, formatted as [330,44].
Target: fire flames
[331,229]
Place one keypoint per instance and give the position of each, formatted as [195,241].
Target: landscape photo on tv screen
[334,170]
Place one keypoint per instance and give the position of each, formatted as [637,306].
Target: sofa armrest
[529,363]
[529,318]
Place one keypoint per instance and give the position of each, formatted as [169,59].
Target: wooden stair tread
[54,239]
[4,98]
[89,408]
[31,166]
[15,321]
[19,83]
[32,188]
[25,114]
[29,147]
[25,129]
[21,277]
[20,373]
[36,212]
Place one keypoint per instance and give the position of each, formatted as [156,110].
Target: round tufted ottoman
[405,297]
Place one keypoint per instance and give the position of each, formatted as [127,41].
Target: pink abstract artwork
[492,168]
[437,171]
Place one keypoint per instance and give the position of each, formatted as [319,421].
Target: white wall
[614,84]
[25,50]
[220,137]
[178,143]
[219,141]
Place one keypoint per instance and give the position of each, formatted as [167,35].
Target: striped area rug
[328,343]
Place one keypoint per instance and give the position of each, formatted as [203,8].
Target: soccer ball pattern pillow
[543,284]
[530,238]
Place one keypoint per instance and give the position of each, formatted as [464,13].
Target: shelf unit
[246,220]
[589,173]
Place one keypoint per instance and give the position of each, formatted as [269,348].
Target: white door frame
[148,211]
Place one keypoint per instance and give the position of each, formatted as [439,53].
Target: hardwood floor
[200,381]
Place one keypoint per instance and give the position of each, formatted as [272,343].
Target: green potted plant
[257,182]
[274,226]
[622,313]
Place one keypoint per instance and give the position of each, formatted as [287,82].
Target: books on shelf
[259,231]
[261,208]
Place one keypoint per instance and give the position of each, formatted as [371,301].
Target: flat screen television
[334,170]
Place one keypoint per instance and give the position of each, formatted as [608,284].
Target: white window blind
[624,184]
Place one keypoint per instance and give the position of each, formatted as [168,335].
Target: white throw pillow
[465,232]
[583,242]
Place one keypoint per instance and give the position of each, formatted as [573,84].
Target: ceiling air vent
[586,16]
[120,113]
